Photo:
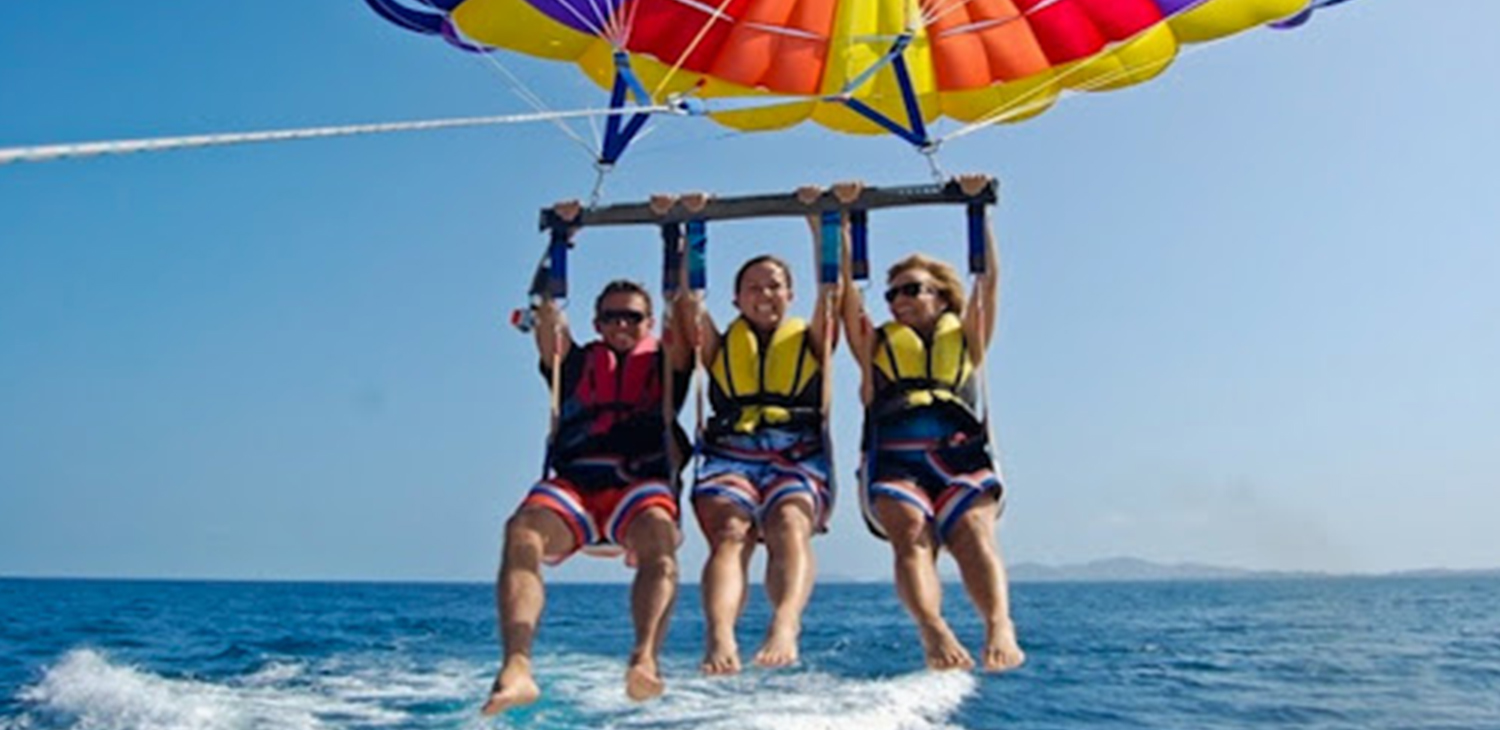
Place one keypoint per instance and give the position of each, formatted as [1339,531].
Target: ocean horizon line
[1108,570]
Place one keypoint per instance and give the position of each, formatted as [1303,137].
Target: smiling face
[622,320]
[763,294]
[915,300]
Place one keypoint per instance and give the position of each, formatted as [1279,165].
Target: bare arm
[851,300]
[676,339]
[979,321]
[851,309]
[553,339]
[552,336]
[823,331]
[702,335]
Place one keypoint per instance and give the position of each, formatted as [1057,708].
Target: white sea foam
[755,700]
[87,691]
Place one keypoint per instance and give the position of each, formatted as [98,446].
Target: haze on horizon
[1249,308]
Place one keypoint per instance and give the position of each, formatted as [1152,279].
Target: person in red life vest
[611,482]
[929,480]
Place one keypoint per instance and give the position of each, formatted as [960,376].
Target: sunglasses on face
[621,316]
[909,289]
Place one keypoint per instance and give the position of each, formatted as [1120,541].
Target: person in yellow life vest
[928,479]
[763,477]
[610,485]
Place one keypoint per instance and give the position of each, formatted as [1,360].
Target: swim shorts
[941,477]
[758,471]
[598,498]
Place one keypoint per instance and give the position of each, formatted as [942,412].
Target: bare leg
[972,542]
[652,536]
[789,578]
[731,541]
[917,581]
[519,597]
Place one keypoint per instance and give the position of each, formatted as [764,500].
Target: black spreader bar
[775,205]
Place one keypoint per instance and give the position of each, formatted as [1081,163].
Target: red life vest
[613,389]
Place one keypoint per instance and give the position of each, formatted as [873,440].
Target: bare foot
[1001,652]
[943,649]
[779,648]
[514,687]
[642,682]
[721,656]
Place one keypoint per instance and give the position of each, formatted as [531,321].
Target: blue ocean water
[1327,653]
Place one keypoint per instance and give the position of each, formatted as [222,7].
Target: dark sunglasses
[909,289]
[621,316]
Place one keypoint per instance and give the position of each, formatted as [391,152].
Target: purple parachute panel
[585,16]
[1173,7]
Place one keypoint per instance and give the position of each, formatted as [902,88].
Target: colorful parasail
[859,66]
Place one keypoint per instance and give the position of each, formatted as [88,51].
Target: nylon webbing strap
[616,137]
[671,257]
[557,260]
[697,253]
[828,246]
[976,238]
[859,239]
[909,98]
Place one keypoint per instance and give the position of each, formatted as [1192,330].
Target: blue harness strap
[697,254]
[976,238]
[831,235]
[859,239]
[671,258]
[557,271]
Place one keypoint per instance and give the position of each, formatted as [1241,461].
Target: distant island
[1136,569]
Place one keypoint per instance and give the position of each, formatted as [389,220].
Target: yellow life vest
[916,372]
[764,383]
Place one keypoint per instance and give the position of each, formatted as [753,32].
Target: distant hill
[1128,569]
[1124,569]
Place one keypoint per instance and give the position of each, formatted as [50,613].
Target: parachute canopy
[861,66]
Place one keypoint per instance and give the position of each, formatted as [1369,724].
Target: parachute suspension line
[1024,102]
[614,30]
[671,275]
[601,171]
[931,153]
[627,29]
[43,153]
[978,228]
[830,256]
[714,17]
[554,285]
[942,8]
[935,10]
[588,22]
[554,398]
[520,89]
[916,132]
[696,252]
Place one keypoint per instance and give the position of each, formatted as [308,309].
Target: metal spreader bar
[775,205]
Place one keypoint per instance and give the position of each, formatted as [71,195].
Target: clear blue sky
[1250,309]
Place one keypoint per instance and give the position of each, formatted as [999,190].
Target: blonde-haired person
[929,482]
[764,474]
